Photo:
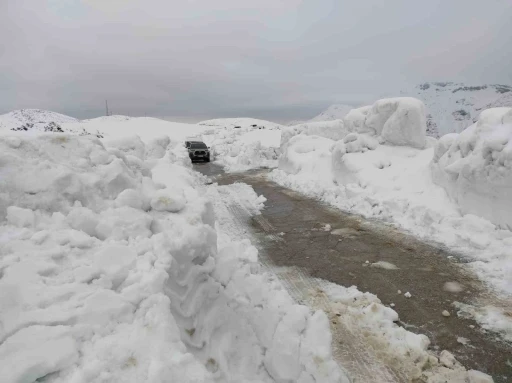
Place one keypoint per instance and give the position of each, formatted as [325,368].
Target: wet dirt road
[289,233]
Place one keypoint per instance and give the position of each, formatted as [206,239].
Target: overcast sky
[273,59]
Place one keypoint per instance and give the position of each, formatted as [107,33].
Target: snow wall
[244,148]
[111,271]
[475,167]
[396,121]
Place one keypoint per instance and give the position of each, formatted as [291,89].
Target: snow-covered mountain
[34,120]
[334,112]
[452,107]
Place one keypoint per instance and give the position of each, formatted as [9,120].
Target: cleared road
[288,233]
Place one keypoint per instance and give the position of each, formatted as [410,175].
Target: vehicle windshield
[198,145]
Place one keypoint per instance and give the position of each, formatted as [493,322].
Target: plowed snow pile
[111,271]
[240,144]
[365,172]
[475,167]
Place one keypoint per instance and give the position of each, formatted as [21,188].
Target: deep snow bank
[248,146]
[236,143]
[335,130]
[475,167]
[111,271]
[395,121]
[398,121]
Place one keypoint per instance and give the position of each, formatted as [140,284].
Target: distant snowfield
[144,127]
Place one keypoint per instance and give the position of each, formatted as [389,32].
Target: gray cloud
[279,60]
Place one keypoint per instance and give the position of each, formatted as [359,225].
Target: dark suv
[197,150]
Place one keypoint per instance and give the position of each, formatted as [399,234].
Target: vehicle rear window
[198,145]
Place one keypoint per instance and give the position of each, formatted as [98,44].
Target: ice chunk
[479,377]
[384,265]
[453,287]
[172,200]
[447,359]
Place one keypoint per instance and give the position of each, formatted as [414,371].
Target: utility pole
[106,106]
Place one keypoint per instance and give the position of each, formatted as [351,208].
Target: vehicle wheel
[207,159]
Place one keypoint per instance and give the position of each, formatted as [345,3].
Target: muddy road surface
[292,234]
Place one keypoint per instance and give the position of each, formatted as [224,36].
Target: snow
[19,118]
[475,168]
[355,119]
[394,184]
[489,317]
[116,256]
[254,143]
[333,112]
[364,312]
[398,121]
[452,107]
[243,148]
[335,130]
[115,267]
[146,128]
[240,122]
[453,192]
[35,121]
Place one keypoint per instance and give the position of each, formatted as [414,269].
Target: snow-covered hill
[34,120]
[334,112]
[452,107]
